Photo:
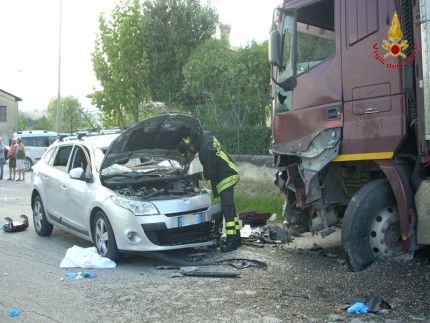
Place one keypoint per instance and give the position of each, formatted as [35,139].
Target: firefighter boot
[230,244]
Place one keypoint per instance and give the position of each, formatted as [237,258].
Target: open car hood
[151,138]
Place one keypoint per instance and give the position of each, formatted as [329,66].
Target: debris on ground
[357,308]
[375,305]
[253,218]
[213,274]
[257,236]
[81,275]
[14,312]
[14,226]
[85,258]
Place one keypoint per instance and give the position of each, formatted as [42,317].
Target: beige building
[8,114]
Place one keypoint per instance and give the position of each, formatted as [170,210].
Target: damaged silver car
[127,192]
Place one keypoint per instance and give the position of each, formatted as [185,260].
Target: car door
[53,178]
[79,194]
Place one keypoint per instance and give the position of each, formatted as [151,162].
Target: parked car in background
[35,142]
[125,192]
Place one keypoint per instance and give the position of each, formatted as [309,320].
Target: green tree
[173,31]
[43,124]
[230,87]
[25,122]
[71,114]
[121,65]
[252,98]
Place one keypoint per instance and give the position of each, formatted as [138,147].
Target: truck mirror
[288,84]
[275,48]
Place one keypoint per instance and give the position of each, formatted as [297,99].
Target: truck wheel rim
[385,238]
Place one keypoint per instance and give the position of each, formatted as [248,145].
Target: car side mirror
[78,173]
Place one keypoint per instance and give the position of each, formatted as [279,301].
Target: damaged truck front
[350,122]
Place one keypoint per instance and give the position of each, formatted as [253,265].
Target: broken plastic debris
[15,226]
[246,231]
[14,312]
[188,269]
[81,275]
[357,308]
[71,275]
[211,274]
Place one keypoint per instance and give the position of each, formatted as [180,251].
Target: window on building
[3,113]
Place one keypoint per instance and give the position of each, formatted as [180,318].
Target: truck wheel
[371,228]
[41,224]
[104,238]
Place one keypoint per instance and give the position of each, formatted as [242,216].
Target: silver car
[127,192]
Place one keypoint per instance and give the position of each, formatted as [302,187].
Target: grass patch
[260,196]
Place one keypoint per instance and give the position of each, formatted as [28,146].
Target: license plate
[190,219]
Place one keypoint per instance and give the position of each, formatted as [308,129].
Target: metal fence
[241,125]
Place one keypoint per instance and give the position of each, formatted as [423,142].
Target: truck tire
[371,228]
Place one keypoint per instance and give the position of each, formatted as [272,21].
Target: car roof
[99,141]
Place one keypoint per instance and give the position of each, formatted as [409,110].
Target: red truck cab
[348,121]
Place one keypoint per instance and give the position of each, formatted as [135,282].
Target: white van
[35,143]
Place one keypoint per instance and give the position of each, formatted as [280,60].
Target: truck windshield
[308,38]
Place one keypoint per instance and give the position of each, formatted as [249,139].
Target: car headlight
[137,207]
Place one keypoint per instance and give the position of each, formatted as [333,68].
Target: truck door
[310,53]
[374,103]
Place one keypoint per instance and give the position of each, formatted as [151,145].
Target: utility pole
[59,75]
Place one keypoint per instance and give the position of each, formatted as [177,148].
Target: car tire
[104,238]
[41,224]
[27,164]
[370,228]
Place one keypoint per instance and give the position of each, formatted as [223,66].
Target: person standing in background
[1,158]
[12,160]
[20,157]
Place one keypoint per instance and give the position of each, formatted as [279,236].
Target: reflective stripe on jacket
[217,164]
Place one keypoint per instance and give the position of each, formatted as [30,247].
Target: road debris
[14,226]
[81,275]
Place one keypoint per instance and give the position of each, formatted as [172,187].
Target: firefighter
[223,174]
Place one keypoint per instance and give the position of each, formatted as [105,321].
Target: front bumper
[185,223]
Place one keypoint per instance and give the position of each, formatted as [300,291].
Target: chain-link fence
[240,124]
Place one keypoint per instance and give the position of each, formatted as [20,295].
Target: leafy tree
[43,124]
[173,29]
[121,65]
[252,99]
[71,115]
[25,122]
[231,87]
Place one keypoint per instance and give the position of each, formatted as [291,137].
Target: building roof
[16,98]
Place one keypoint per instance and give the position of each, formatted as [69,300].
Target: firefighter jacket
[217,165]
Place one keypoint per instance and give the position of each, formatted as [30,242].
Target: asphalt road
[139,289]
[305,281]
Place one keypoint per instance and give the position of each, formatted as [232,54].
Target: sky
[30,54]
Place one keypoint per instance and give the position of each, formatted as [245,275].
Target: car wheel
[27,164]
[371,228]
[104,238]
[41,224]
